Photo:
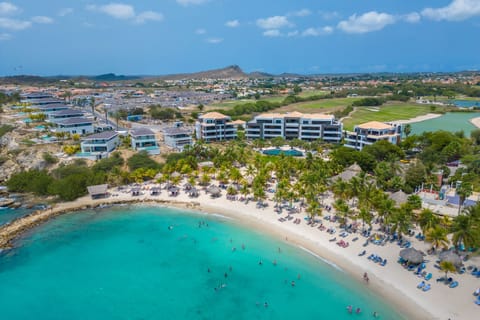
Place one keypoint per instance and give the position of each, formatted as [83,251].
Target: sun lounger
[426,288]
[454,284]
[428,276]
[477,302]
[384,263]
[421,285]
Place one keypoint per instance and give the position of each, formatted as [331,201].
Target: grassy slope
[391,112]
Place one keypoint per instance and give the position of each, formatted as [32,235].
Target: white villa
[177,137]
[144,139]
[295,125]
[80,126]
[214,126]
[371,132]
[99,145]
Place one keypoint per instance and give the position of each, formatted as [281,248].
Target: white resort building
[177,137]
[295,125]
[371,132]
[99,145]
[214,126]
[143,139]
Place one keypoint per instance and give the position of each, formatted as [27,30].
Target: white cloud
[367,22]
[292,33]
[148,16]
[316,32]
[7,8]
[191,2]
[300,13]
[116,10]
[412,17]
[232,23]
[5,36]
[200,31]
[65,11]
[272,33]
[275,22]
[457,10]
[214,40]
[42,20]
[13,24]
[329,15]
[126,12]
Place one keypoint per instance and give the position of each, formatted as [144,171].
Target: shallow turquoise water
[125,263]
[7,214]
[451,121]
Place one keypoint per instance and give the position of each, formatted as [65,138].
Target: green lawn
[318,106]
[305,94]
[391,112]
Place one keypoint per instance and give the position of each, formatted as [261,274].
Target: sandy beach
[425,117]
[475,122]
[392,281]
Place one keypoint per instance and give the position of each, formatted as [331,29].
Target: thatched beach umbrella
[214,191]
[452,257]
[411,255]
[176,174]
[399,197]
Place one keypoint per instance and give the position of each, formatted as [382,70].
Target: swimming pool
[278,151]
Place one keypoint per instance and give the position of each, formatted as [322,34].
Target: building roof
[98,189]
[49,106]
[238,122]
[174,131]
[296,114]
[213,115]
[101,135]
[141,132]
[66,112]
[375,125]
[75,121]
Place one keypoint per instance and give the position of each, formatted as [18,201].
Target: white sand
[475,122]
[425,117]
[392,282]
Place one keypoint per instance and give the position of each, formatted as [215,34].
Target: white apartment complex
[295,125]
[371,132]
[214,126]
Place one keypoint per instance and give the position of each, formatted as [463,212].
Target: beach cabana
[399,197]
[187,186]
[135,191]
[214,191]
[349,173]
[155,191]
[193,193]
[452,257]
[98,191]
[173,191]
[411,255]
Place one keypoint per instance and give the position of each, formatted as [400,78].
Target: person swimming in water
[358,311]
[349,309]
[375,314]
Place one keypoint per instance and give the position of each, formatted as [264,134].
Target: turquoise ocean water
[126,263]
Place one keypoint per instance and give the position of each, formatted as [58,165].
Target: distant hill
[113,77]
[223,73]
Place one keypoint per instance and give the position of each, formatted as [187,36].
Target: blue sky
[51,37]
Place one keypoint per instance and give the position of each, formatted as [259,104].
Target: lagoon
[160,263]
[451,121]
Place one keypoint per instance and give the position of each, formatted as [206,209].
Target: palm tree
[343,210]
[314,209]
[463,191]
[402,219]
[437,236]
[427,220]
[465,229]
[447,266]
[407,129]
[366,216]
